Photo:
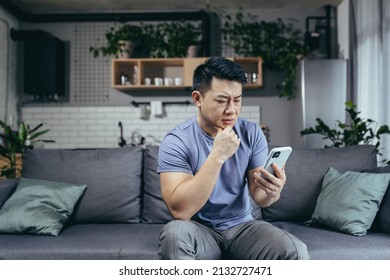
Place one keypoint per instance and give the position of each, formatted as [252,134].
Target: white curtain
[372,62]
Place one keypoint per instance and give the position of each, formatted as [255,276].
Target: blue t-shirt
[186,148]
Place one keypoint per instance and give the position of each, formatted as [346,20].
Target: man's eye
[221,101]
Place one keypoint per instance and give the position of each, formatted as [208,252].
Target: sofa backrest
[112,176]
[123,185]
[305,170]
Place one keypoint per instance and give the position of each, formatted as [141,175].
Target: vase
[126,49]
[5,162]
[193,51]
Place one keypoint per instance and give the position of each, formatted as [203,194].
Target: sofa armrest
[7,188]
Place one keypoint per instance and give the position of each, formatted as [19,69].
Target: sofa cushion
[305,169]
[39,207]
[327,244]
[349,201]
[86,242]
[382,219]
[154,208]
[112,176]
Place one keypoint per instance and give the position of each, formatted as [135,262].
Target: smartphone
[279,156]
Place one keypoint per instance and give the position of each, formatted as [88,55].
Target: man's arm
[185,194]
[265,189]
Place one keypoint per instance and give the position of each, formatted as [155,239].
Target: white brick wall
[97,127]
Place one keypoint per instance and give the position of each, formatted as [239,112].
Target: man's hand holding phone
[271,178]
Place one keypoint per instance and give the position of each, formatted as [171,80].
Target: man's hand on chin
[226,143]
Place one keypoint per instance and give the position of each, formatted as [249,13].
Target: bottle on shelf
[135,75]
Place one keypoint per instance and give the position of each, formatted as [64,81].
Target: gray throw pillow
[349,201]
[39,207]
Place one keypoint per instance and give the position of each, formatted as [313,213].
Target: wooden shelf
[136,70]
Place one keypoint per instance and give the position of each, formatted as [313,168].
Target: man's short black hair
[218,67]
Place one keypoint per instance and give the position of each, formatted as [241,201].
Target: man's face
[220,106]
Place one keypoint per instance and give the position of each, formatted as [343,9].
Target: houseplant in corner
[13,145]
[358,131]
[280,45]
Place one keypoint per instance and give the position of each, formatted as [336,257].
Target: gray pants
[255,240]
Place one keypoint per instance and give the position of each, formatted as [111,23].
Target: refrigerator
[322,93]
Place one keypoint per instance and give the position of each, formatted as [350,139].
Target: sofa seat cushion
[326,244]
[112,176]
[86,241]
[305,170]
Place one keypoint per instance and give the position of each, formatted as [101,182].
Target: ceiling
[36,7]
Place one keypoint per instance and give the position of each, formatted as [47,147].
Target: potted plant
[280,45]
[123,39]
[358,131]
[180,39]
[14,144]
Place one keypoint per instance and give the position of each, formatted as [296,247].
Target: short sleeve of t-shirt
[259,149]
[173,155]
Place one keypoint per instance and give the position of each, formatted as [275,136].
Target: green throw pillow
[39,207]
[349,201]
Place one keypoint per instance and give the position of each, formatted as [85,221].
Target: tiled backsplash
[97,127]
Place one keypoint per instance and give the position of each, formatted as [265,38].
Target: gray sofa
[121,212]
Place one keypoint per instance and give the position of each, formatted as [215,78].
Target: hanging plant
[167,39]
[280,45]
[128,40]
[178,36]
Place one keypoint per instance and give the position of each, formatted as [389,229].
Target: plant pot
[5,162]
[193,51]
[126,49]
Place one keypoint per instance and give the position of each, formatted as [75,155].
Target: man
[209,165]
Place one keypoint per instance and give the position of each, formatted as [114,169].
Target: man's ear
[197,98]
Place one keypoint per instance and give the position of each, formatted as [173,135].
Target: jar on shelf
[124,79]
